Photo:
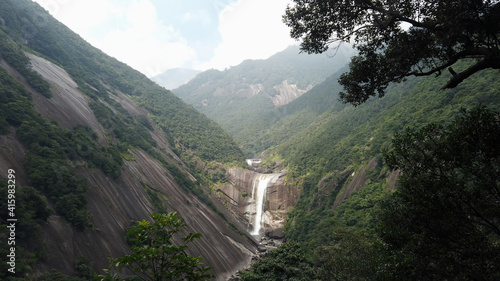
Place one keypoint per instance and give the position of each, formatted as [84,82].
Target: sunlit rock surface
[238,196]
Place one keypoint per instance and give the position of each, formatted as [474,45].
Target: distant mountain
[175,77]
[244,99]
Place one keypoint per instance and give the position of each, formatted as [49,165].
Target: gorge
[97,147]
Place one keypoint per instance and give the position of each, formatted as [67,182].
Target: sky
[153,36]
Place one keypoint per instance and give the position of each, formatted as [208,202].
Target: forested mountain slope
[354,131]
[286,121]
[335,153]
[77,133]
[249,98]
[404,186]
[93,71]
[343,140]
[347,224]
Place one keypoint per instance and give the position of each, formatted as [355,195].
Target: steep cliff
[101,145]
[239,196]
[287,93]
[114,204]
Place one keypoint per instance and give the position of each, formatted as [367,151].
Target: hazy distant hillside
[286,121]
[244,98]
[175,77]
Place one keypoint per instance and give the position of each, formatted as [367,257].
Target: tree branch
[460,77]
[397,16]
[489,61]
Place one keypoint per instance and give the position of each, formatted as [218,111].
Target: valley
[256,155]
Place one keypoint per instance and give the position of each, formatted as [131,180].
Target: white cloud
[250,29]
[127,30]
[199,16]
[80,16]
[132,31]
[145,43]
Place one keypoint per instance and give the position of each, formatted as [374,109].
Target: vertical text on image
[11,220]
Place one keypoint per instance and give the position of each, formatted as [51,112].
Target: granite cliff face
[287,93]
[115,204]
[238,195]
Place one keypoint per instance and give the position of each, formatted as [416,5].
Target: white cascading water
[259,193]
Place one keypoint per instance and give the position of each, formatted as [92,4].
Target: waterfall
[258,194]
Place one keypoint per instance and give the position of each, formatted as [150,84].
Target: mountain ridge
[92,159]
[250,93]
[175,77]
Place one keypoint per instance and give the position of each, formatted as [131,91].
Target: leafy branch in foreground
[440,33]
[155,256]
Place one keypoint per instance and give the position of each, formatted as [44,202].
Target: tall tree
[397,39]
[443,222]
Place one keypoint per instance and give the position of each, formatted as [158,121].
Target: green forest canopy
[440,33]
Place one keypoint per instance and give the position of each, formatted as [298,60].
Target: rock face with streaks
[287,93]
[239,195]
[115,204]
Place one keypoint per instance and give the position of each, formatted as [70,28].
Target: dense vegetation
[375,233]
[155,256]
[31,210]
[96,73]
[378,234]
[192,135]
[446,200]
[53,154]
[13,54]
[239,99]
[327,142]
[341,137]
[288,262]
[48,148]
[286,121]
[345,140]
[398,39]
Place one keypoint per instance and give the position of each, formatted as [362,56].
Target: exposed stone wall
[287,93]
[237,196]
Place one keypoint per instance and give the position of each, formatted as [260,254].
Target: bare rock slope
[114,204]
